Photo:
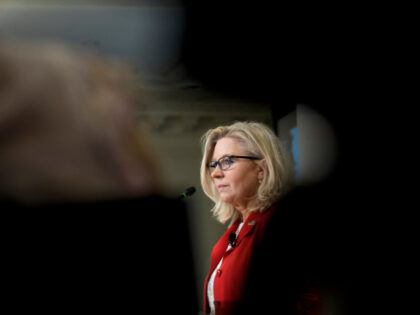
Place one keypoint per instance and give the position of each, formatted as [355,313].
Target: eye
[212,164]
[226,162]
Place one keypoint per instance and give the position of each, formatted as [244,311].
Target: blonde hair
[258,140]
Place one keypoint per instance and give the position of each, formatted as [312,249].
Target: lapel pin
[251,223]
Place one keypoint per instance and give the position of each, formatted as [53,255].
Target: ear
[262,168]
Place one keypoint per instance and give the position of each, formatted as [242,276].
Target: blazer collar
[248,227]
[255,218]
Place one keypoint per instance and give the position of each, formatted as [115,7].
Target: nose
[217,172]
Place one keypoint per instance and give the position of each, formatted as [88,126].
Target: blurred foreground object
[85,225]
[67,127]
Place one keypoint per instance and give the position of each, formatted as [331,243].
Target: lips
[221,186]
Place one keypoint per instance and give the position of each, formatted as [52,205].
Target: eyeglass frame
[229,159]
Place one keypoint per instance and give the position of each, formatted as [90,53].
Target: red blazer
[231,279]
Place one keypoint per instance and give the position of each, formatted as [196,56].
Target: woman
[245,171]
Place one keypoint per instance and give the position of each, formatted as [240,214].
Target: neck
[243,210]
[245,216]
[244,213]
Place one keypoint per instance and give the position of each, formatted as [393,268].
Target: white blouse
[210,286]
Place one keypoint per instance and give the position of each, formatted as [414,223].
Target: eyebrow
[224,155]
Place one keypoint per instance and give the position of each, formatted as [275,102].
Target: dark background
[107,256]
[284,55]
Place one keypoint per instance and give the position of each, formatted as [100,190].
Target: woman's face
[238,184]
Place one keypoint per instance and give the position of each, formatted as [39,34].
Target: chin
[226,199]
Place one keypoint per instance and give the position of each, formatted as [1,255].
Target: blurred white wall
[317,146]
[147,34]
[311,143]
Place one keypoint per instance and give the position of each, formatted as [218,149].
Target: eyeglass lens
[225,163]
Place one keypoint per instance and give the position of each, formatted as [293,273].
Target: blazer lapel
[249,227]
[220,248]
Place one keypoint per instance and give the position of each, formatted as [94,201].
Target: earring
[259,180]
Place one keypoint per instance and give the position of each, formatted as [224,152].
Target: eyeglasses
[226,162]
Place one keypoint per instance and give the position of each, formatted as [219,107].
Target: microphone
[188,192]
[232,239]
